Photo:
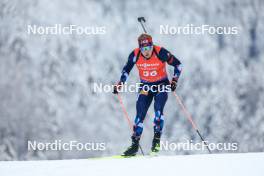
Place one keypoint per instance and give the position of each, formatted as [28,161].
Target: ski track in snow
[214,164]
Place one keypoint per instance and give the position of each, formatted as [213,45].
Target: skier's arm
[125,72]
[128,67]
[166,56]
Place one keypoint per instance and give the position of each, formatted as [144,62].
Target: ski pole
[127,118]
[141,20]
[189,117]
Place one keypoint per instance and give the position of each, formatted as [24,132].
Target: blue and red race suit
[152,71]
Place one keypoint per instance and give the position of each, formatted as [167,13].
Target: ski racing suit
[152,71]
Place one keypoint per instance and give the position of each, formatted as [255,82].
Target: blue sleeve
[166,56]
[128,67]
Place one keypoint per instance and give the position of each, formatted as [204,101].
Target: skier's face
[147,51]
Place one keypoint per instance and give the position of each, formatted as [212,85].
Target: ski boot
[133,149]
[155,144]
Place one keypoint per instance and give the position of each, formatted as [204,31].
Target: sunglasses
[146,48]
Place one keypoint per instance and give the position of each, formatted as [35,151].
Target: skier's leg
[160,101]
[143,103]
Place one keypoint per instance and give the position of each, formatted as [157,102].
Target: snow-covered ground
[213,165]
[47,81]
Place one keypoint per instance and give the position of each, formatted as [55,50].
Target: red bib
[152,69]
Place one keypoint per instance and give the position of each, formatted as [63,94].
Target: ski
[151,154]
[116,157]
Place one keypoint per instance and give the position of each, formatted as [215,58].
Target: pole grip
[141,20]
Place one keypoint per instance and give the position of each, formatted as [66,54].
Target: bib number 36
[150,73]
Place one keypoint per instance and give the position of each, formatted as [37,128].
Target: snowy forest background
[45,81]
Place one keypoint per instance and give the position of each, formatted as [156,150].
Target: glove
[117,87]
[174,84]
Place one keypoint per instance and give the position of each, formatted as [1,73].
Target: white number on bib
[150,73]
